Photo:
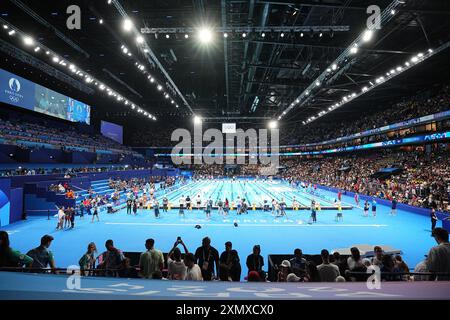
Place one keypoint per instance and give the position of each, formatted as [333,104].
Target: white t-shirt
[60,214]
[194,273]
[177,269]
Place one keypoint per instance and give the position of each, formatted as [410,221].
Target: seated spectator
[126,270]
[388,269]
[419,268]
[193,271]
[376,260]
[10,258]
[229,262]
[285,269]
[110,260]
[42,256]
[438,259]
[87,261]
[328,272]
[298,264]
[150,260]
[157,275]
[255,261]
[175,265]
[355,264]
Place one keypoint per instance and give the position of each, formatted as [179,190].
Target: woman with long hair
[87,261]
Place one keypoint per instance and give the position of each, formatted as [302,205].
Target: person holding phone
[175,265]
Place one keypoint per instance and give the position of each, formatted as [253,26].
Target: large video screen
[112,131]
[26,94]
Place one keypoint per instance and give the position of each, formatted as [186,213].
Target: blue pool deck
[407,231]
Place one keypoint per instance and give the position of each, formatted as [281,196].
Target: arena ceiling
[251,77]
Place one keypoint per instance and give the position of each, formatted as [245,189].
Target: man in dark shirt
[206,257]
[42,257]
[255,261]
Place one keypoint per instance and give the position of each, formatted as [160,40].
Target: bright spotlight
[282,35]
[263,34]
[28,40]
[334,66]
[11,32]
[55,59]
[205,35]
[186,36]
[354,50]
[140,39]
[367,35]
[100,21]
[244,35]
[127,25]
[273,124]
[159,87]
[197,120]
[225,35]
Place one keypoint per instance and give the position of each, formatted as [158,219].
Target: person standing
[135,207]
[394,207]
[374,208]
[165,204]
[434,219]
[129,205]
[156,208]
[356,198]
[313,212]
[220,207]
[151,260]
[366,208]
[207,257]
[182,204]
[95,214]
[208,208]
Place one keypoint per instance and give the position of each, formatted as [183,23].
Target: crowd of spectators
[425,103]
[206,264]
[423,179]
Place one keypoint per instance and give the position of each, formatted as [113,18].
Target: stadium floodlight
[186,36]
[152,80]
[37,49]
[159,87]
[28,40]
[5,27]
[392,11]
[273,124]
[100,21]
[297,101]
[318,83]
[12,32]
[140,39]
[301,34]
[414,59]
[55,59]
[244,35]
[263,34]
[354,49]
[167,36]
[367,35]
[225,35]
[197,120]
[127,25]
[205,35]
[109,1]
[334,66]
[282,35]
